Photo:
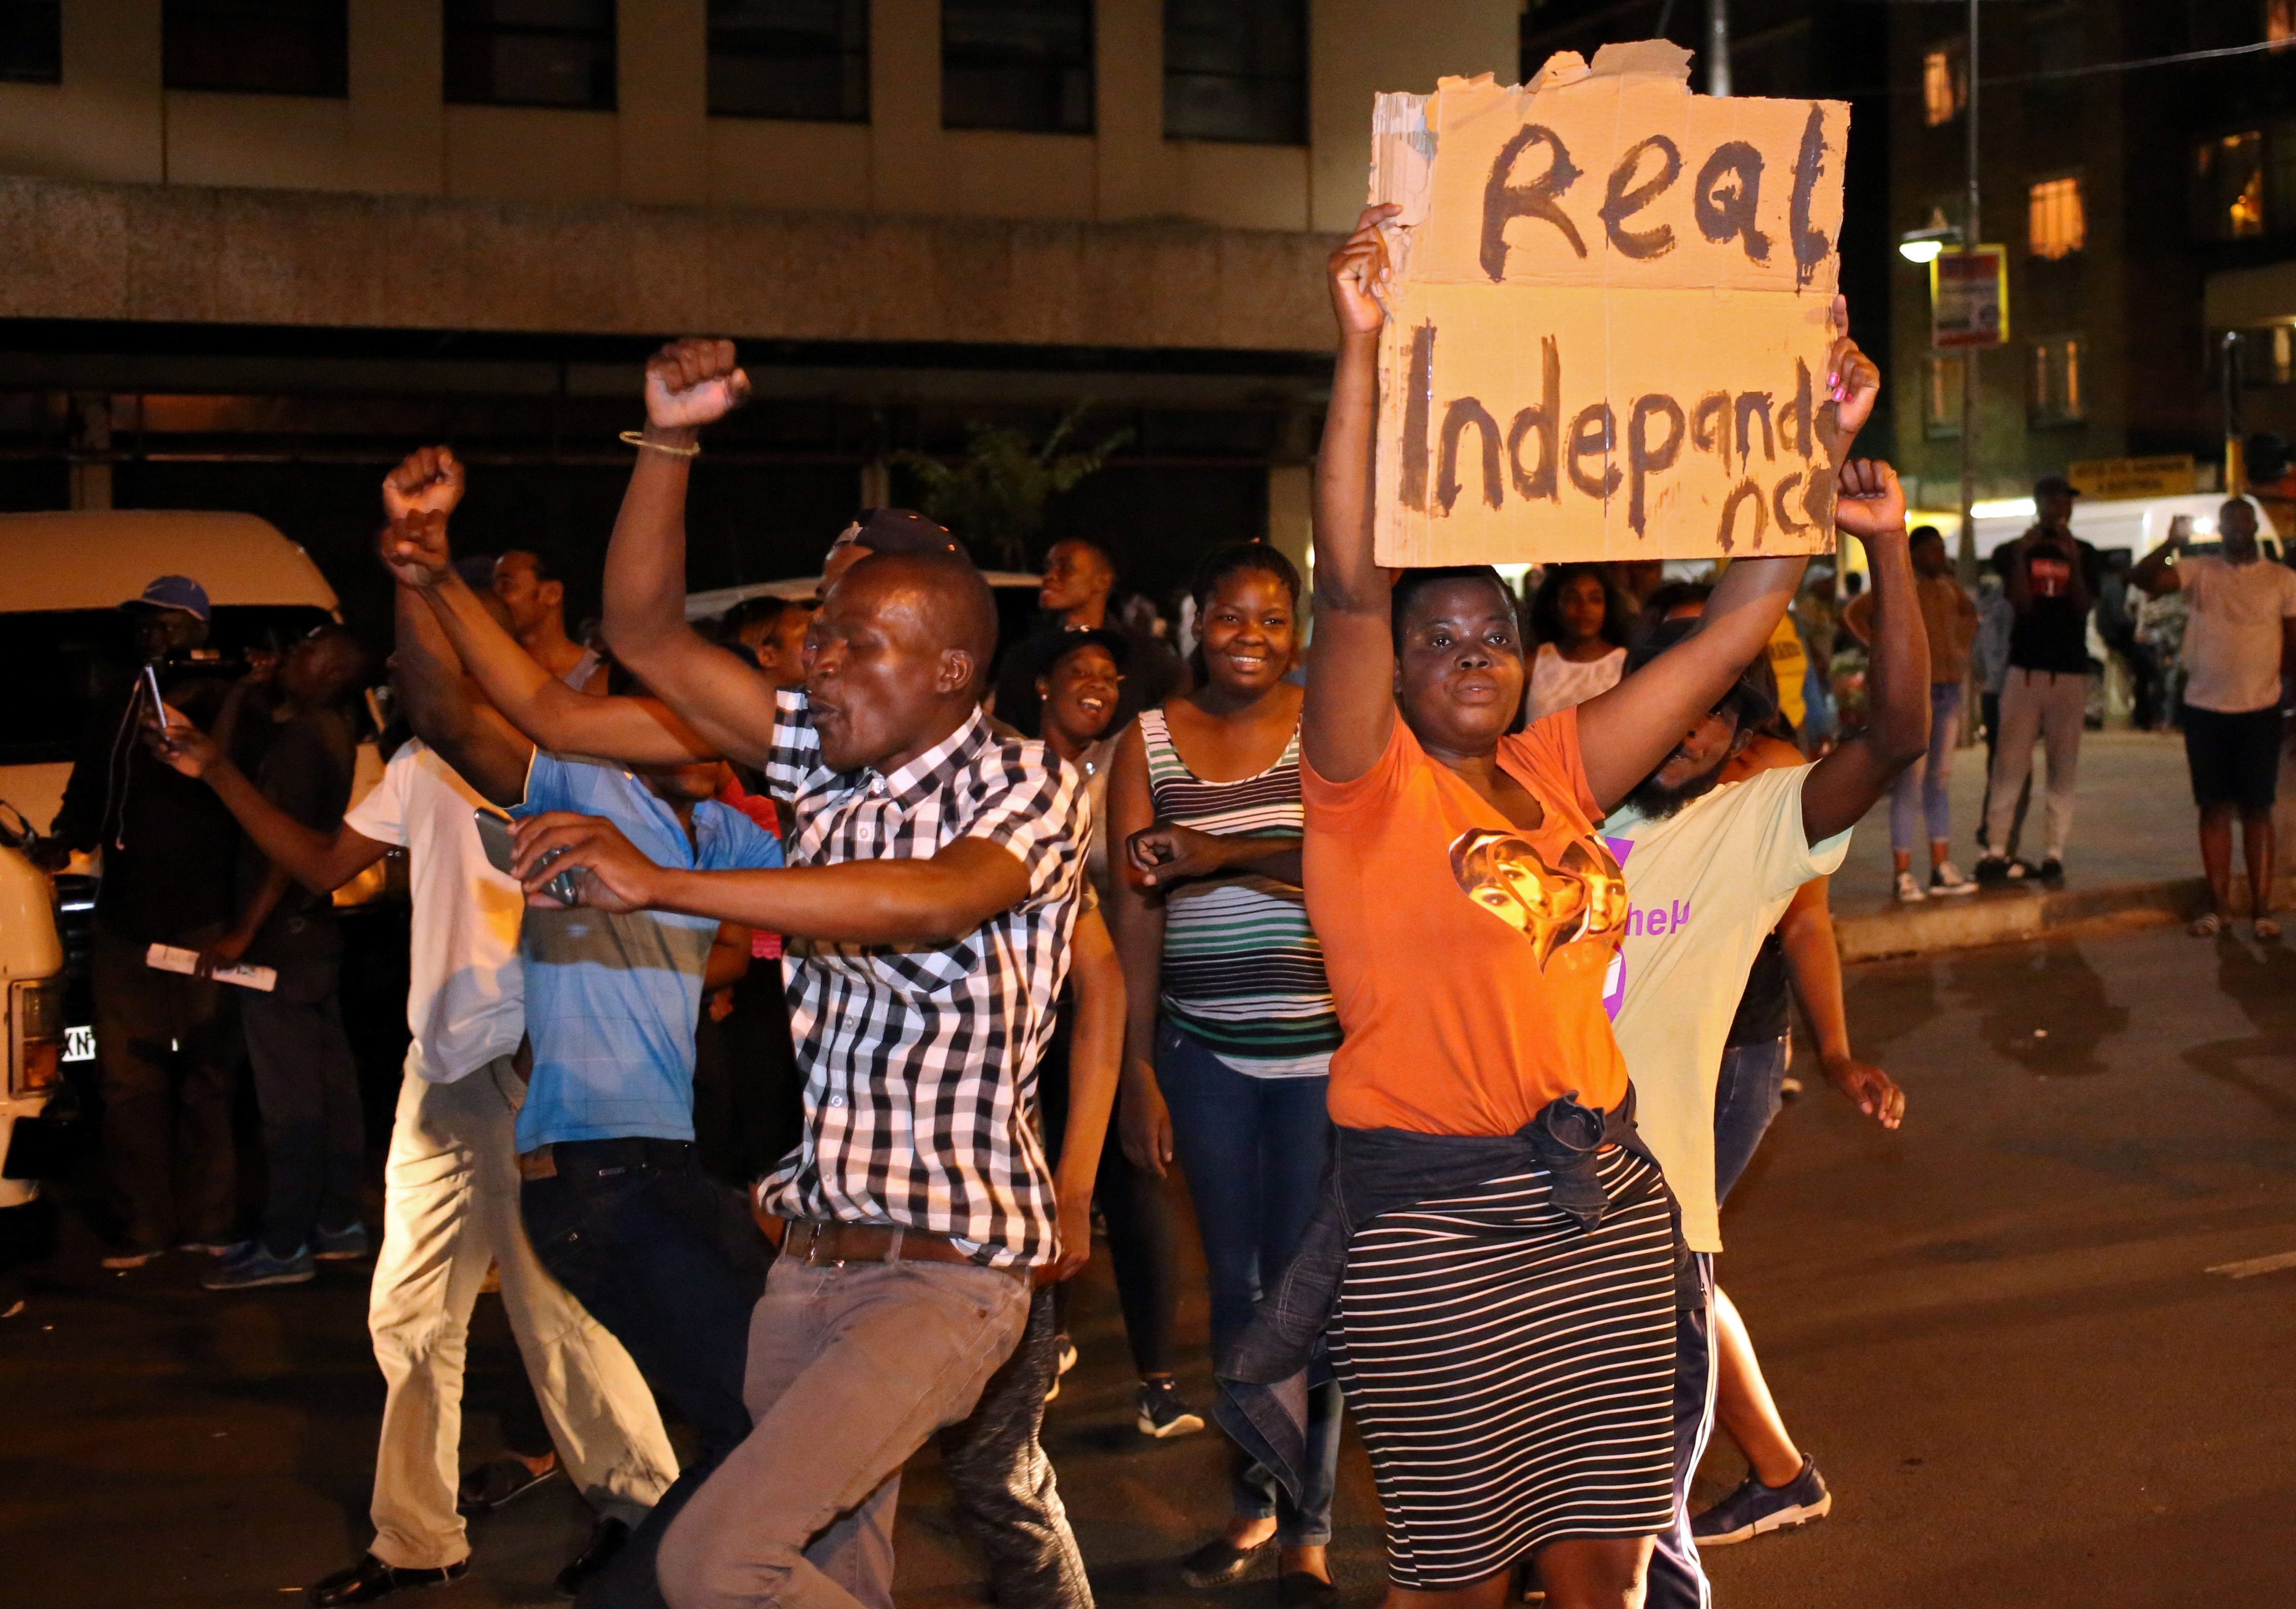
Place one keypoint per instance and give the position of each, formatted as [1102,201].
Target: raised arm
[1624,733]
[1844,785]
[479,744]
[2156,572]
[688,384]
[1349,713]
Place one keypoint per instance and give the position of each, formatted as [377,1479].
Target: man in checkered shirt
[934,874]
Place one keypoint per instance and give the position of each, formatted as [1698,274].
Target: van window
[59,667]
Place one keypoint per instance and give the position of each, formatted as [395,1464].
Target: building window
[1945,83]
[2055,224]
[531,53]
[1942,394]
[2054,396]
[1237,69]
[2280,21]
[1022,65]
[31,42]
[2228,186]
[807,60]
[269,47]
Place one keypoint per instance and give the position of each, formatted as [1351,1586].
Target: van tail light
[35,1035]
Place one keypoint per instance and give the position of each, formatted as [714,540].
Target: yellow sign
[1607,328]
[2170,475]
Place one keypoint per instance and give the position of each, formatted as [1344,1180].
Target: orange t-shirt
[1466,956]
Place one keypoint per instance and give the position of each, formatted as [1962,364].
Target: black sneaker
[1755,1509]
[1992,870]
[1162,1413]
[2052,872]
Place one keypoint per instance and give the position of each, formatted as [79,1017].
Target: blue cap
[174,592]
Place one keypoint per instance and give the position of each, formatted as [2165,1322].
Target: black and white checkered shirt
[920,1060]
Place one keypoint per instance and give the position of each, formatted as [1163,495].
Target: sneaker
[340,1245]
[1909,891]
[1946,879]
[1993,870]
[262,1268]
[130,1254]
[1754,1508]
[1162,1413]
[2052,872]
[214,1246]
[1067,1354]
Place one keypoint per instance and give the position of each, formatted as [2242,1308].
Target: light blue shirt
[612,1001]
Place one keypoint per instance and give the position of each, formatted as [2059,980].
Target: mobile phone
[494,838]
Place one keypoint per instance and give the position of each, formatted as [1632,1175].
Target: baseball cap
[172,592]
[898,530]
[2050,486]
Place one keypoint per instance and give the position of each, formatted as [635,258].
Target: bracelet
[638,439]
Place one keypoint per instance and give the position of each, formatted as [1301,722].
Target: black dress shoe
[606,1538]
[370,1578]
[1305,1590]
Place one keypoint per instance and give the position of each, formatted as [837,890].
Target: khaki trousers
[450,1211]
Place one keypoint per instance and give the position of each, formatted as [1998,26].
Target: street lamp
[1927,245]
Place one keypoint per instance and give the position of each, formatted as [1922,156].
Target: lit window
[1237,69]
[2055,224]
[1024,64]
[1945,83]
[2280,21]
[2228,186]
[1941,395]
[278,47]
[31,42]
[531,53]
[802,59]
[2054,394]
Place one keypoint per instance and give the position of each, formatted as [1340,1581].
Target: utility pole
[1965,555]
[1718,47]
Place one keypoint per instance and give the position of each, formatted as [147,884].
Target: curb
[2013,917]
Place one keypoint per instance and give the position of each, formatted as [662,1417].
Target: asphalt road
[1996,1330]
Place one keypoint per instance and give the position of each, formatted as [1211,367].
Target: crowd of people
[1450,959]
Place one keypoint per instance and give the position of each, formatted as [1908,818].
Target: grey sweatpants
[2049,705]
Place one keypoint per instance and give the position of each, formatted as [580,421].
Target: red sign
[1968,299]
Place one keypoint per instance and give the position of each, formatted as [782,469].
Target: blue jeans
[1744,1102]
[1920,791]
[1254,1152]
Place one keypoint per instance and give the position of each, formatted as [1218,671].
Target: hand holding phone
[495,837]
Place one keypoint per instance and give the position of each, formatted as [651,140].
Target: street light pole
[1718,47]
[1965,555]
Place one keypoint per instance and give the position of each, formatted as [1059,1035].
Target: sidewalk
[2133,861]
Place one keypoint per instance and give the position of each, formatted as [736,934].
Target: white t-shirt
[465,997]
[2232,640]
[1557,684]
[1704,888]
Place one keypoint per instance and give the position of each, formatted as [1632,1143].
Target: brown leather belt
[815,1243]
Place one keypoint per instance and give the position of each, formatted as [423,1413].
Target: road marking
[2256,1265]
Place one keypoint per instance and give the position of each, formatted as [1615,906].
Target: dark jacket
[1268,1372]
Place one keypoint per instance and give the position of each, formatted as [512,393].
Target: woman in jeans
[1231,1028]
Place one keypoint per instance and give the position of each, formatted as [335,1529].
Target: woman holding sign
[1504,1325]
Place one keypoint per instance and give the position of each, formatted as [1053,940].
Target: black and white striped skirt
[1511,1377]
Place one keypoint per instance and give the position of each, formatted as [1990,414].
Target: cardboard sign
[1609,319]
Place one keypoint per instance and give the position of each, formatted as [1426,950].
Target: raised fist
[1868,503]
[430,479]
[691,383]
[415,548]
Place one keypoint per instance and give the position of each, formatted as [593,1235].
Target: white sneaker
[1909,891]
[1945,878]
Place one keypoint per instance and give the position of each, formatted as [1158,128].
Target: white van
[2139,525]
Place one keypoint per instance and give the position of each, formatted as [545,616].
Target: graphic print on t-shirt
[1585,898]
[2051,577]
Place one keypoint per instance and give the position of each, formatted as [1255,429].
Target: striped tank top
[1243,970]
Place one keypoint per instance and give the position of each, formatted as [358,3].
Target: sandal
[2266,928]
[2207,927]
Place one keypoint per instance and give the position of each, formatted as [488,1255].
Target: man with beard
[1710,868]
